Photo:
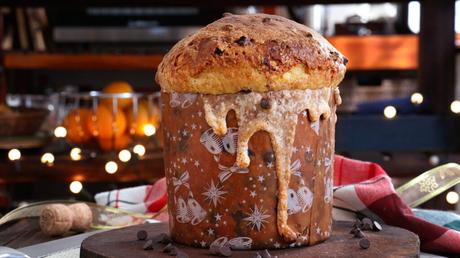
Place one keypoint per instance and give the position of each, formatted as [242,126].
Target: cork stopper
[58,219]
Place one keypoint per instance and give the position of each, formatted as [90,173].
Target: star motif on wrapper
[261,179]
[428,185]
[184,161]
[193,126]
[214,193]
[253,194]
[210,231]
[269,165]
[197,163]
[277,245]
[203,243]
[218,217]
[257,218]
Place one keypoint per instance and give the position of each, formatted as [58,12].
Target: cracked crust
[257,52]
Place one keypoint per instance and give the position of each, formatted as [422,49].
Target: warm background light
[416,98]
[452,197]
[47,158]
[76,187]
[111,167]
[390,112]
[60,132]
[75,154]
[455,106]
[149,130]
[139,150]
[434,160]
[124,155]
[14,154]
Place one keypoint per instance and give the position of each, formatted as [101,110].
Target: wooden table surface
[23,233]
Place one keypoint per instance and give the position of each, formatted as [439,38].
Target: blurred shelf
[29,169]
[395,52]
[398,52]
[82,61]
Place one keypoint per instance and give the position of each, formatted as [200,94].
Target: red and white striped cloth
[366,187]
[360,186]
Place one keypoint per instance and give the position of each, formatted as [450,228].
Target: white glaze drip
[279,121]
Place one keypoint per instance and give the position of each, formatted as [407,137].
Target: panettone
[249,121]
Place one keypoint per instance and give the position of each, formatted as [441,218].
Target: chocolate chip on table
[367,224]
[148,245]
[168,248]
[174,251]
[269,157]
[243,41]
[358,233]
[142,235]
[163,238]
[265,103]
[377,226]
[358,224]
[364,243]
[218,51]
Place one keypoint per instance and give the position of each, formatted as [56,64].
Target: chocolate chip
[142,235]
[218,51]
[358,224]
[242,41]
[245,91]
[353,230]
[269,157]
[367,224]
[265,103]
[220,250]
[358,233]
[308,35]
[148,245]
[266,254]
[168,248]
[266,19]
[364,243]
[163,238]
[377,226]
[174,251]
[251,153]
[266,61]
[345,60]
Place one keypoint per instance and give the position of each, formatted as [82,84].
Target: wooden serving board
[390,242]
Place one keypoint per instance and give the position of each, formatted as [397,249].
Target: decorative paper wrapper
[212,200]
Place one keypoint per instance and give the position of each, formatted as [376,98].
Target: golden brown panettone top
[257,52]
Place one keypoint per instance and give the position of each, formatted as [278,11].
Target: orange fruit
[142,119]
[120,142]
[118,87]
[75,123]
[106,125]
